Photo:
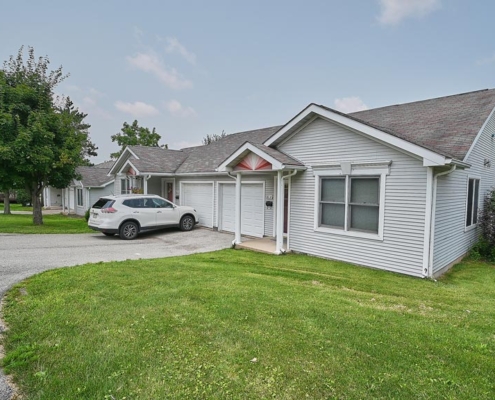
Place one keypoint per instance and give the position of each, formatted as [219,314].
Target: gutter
[433,213]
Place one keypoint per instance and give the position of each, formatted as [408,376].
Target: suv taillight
[109,210]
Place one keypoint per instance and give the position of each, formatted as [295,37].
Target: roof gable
[257,157]
[438,130]
[95,175]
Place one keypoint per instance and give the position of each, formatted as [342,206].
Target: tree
[134,135]
[209,139]
[42,140]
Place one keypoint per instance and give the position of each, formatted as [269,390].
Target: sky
[192,68]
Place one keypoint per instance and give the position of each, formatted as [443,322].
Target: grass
[55,223]
[16,207]
[237,325]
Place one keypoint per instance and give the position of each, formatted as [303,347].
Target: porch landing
[262,245]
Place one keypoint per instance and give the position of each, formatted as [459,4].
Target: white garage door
[199,196]
[252,209]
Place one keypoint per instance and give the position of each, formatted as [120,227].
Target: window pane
[332,215]
[475,200]
[364,218]
[333,190]
[469,211]
[103,203]
[365,191]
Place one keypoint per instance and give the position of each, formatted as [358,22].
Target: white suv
[129,215]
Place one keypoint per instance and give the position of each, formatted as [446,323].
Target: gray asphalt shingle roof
[95,175]
[156,159]
[446,125]
[208,158]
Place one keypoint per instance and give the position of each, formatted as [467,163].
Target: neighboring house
[81,194]
[396,188]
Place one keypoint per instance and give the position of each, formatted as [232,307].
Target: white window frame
[349,169]
[79,204]
[472,226]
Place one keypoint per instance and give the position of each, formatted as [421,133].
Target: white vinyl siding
[452,239]
[401,250]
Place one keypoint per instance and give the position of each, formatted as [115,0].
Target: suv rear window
[103,203]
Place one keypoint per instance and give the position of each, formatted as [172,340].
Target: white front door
[252,208]
[199,195]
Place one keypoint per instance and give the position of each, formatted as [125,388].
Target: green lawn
[56,223]
[16,207]
[239,325]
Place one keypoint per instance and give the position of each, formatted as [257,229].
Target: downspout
[82,187]
[433,214]
[280,214]
[145,189]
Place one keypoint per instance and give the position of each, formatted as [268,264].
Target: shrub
[86,215]
[485,248]
[23,197]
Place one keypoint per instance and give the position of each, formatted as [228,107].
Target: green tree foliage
[43,139]
[208,139]
[135,135]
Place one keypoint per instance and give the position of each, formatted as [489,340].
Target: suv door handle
[158,212]
[135,212]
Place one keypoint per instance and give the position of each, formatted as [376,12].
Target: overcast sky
[191,68]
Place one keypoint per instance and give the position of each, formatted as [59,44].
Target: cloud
[149,62]
[178,110]
[173,45]
[349,104]
[95,93]
[486,60]
[89,101]
[394,11]
[137,109]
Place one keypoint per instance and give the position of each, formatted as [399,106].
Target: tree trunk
[36,203]
[6,202]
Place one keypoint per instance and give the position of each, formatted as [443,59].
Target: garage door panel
[252,209]
[199,196]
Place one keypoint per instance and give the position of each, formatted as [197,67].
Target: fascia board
[121,159]
[430,158]
[289,125]
[128,162]
[249,147]
[479,135]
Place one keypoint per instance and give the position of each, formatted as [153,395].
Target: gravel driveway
[26,255]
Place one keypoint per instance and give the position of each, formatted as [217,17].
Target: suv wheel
[128,230]
[186,223]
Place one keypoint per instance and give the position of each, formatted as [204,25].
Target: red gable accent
[253,162]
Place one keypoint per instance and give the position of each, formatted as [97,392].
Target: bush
[485,248]
[23,197]
[86,215]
